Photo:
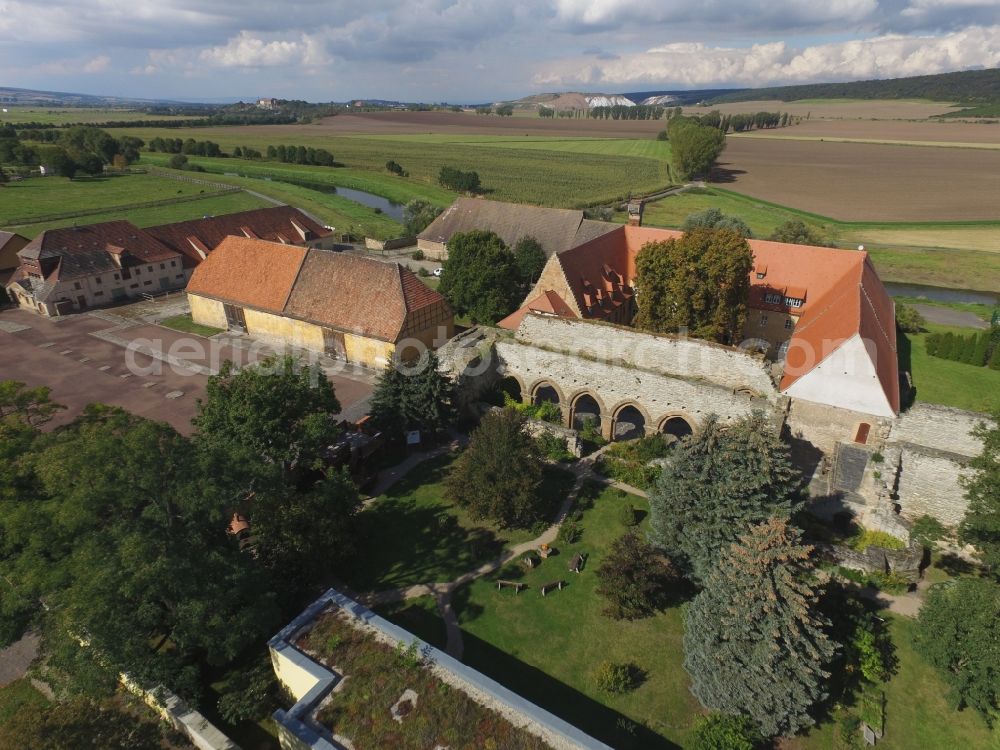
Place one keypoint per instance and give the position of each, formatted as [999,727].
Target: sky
[469,51]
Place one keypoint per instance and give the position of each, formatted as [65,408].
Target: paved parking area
[85,359]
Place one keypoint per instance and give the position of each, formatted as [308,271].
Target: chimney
[635,213]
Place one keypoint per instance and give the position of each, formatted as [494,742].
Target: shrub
[553,447]
[627,515]
[423,272]
[865,538]
[927,530]
[908,319]
[177,161]
[418,254]
[459,181]
[591,435]
[614,679]
[570,531]
[720,732]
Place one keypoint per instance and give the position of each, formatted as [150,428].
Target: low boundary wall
[310,682]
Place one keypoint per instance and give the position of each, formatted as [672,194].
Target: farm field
[925,132]
[838,109]
[63,115]
[555,178]
[865,182]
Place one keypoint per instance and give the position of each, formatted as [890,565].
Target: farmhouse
[72,269]
[821,314]
[284,224]
[556,229]
[342,305]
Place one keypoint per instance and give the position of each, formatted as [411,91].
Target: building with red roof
[343,305]
[822,313]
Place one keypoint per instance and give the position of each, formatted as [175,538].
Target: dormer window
[773,298]
[793,301]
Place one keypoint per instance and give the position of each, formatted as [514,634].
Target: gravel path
[948,317]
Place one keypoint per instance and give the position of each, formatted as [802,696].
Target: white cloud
[247,51]
[97,65]
[698,65]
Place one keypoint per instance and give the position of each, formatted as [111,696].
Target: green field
[645,148]
[963,256]
[64,115]
[564,176]
[941,381]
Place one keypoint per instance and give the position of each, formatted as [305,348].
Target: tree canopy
[418,214]
[699,283]
[716,485]
[413,398]
[481,278]
[797,232]
[693,147]
[754,643]
[958,632]
[498,476]
[981,527]
[634,578]
[530,258]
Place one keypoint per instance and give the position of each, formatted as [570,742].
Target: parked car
[437,271]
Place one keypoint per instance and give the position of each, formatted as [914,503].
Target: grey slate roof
[557,229]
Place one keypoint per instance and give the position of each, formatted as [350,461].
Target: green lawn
[156,215]
[41,196]
[64,115]
[646,148]
[949,254]
[19,695]
[941,381]
[343,214]
[546,649]
[185,324]
[568,175]
[414,534]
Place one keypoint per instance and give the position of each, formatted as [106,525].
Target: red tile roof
[279,223]
[346,292]
[547,302]
[249,272]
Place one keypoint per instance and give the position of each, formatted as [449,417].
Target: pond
[389,208]
[942,294]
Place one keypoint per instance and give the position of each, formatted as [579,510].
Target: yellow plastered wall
[207,312]
[368,352]
[294,332]
[290,674]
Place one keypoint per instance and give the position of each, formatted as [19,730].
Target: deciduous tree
[797,232]
[530,258]
[634,578]
[418,214]
[693,147]
[698,282]
[754,643]
[480,277]
[981,527]
[498,477]
[716,485]
[713,218]
[958,632]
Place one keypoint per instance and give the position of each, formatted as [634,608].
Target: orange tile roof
[249,272]
[343,291]
[841,292]
[548,302]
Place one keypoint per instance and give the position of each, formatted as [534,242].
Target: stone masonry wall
[664,355]
[939,427]
[929,484]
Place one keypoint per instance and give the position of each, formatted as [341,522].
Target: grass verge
[185,324]
[941,381]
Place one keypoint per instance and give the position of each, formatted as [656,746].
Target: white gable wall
[846,379]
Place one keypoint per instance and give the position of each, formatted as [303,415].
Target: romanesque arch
[629,422]
[512,386]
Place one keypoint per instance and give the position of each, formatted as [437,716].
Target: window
[147,283]
[97,279]
[134,286]
[149,268]
[180,276]
[793,302]
[163,266]
[789,324]
[138,271]
[783,349]
[763,321]
[76,284]
[760,275]
[773,298]
[173,263]
[98,294]
[116,277]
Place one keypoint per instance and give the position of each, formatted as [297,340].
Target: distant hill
[965,87]
[10,95]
